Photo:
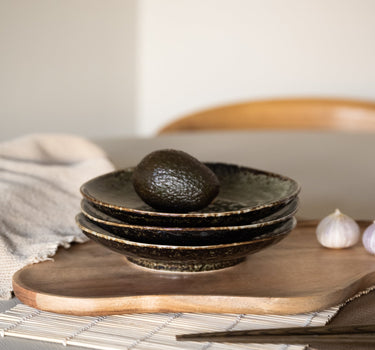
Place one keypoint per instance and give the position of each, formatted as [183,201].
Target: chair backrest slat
[309,114]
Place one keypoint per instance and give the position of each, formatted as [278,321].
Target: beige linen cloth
[40,177]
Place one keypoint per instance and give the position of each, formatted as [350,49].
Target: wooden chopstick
[296,335]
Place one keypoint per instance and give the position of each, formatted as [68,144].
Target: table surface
[335,170]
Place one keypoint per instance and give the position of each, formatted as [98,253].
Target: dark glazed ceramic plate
[183,258]
[189,235]
[245,194]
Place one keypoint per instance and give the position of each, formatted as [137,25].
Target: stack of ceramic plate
[253,210]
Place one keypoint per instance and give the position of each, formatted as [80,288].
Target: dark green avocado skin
[174,181]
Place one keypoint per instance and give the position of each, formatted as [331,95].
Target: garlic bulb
[368,238]
[337,231]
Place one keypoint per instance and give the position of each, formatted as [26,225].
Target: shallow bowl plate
[189,235]
[246,194]
[183,258]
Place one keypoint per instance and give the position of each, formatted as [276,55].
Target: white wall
[193,54]
[107,68]
[67,66]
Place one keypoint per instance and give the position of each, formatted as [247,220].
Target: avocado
[174,181]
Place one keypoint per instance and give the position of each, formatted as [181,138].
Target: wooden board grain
[297,275]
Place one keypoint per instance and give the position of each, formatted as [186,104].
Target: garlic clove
[337,230]
[368,238]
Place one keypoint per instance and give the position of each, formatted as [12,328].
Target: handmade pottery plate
[189,235]
[246,194]
[183,258]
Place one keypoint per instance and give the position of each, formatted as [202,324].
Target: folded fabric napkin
[40,176]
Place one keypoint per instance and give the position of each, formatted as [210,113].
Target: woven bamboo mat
[146,331]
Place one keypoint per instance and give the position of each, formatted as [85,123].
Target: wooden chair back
[308,114]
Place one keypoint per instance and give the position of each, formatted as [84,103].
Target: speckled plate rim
[112,237]
[290,214]
[271,204]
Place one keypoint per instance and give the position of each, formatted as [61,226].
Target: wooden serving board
[297,275]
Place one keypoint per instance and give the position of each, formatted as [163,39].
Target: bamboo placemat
[146,331]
